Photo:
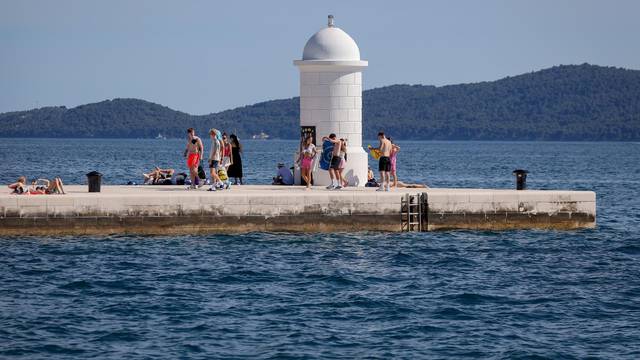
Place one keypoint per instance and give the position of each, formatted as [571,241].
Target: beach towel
[327,153]
[375,153]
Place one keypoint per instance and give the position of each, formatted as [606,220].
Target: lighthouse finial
[330,23]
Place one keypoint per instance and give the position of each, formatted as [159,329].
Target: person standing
[343,162]
[226,152]
[215,156]
[395,149]
[307,153]
[235,170]
[334,165]
[193,154]
[384,163]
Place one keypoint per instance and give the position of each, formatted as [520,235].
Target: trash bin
[521,179]
[94,178]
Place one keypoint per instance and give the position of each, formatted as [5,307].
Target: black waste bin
[521,179]
[95,179]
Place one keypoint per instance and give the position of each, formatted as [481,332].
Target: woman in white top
[307,153]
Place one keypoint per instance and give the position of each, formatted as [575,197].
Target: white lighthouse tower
[331,97]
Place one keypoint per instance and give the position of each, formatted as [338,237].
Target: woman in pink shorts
[308,152]
[394,154]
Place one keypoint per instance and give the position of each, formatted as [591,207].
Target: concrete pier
[173,210]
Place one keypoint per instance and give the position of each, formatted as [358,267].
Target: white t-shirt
[214,153]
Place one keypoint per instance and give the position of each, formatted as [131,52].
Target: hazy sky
[206,56]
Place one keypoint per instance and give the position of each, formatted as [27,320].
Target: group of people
[37,187]
[387,166]
[386,153]
[225,161]
[337,163]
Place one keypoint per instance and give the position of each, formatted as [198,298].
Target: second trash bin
[95,179]
[521,179]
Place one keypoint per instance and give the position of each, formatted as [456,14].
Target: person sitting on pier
[371,180]
[283,177]
[20,186]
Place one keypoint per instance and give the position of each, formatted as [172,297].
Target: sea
[522,294]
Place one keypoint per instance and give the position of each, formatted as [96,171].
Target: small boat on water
[261,136]
[161,137]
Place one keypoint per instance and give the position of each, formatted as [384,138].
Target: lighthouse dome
[331,43]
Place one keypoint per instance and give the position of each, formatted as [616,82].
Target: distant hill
[573,102]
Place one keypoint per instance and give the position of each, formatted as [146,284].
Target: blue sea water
[459,294]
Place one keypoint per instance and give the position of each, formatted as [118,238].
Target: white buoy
[331,97]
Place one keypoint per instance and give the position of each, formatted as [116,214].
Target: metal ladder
[413,212]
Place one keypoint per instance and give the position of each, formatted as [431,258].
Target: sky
[202,57]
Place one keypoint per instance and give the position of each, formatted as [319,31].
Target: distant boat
[261,136]
[161,137]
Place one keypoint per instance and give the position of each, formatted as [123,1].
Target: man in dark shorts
[334,166]
[384,163]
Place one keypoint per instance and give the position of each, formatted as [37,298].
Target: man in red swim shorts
[193,153]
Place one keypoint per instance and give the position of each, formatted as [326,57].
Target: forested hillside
[577,102]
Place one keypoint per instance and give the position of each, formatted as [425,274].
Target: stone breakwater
[173,210]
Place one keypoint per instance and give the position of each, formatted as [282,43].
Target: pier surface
[174,210]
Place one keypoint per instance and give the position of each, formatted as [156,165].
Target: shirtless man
[334,167]
[193,153]
[384,163]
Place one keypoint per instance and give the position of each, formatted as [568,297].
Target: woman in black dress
[235,170]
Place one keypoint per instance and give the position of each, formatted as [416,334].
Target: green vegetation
[577,102]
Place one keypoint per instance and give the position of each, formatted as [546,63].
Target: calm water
[516,294]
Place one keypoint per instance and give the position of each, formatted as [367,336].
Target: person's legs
[395,177]
[381,179]
[61,184]
[332,177]
[193,172]
[305,176]
[213,170]
[55,187]
[343,182]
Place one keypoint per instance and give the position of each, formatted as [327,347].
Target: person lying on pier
[158,176]
[409,185]
[20,186]
[44,186]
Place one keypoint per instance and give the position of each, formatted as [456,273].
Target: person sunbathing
[158,176]
[20,186]
[44,186]
[409,185]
